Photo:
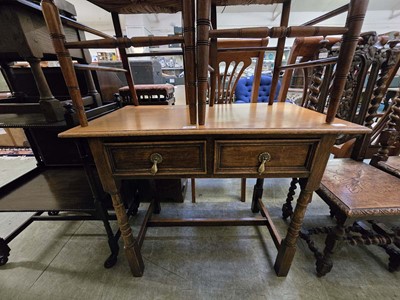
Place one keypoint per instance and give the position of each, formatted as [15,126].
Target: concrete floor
[64,260]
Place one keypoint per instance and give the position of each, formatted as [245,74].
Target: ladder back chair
[208,34]
[350,32]
[232,59]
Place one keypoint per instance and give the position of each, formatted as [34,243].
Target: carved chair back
[374,64]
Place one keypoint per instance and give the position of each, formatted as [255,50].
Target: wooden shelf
[61,189]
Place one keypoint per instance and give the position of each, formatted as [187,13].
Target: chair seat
[167,88]
[151,94]
[392,165]
[352,187]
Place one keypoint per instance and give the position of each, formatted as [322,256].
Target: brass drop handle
[155,158]
[263,158]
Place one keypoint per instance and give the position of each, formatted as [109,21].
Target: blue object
[245,84]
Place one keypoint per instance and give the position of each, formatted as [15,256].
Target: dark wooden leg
[112,239]
[288,247]
[324,264]
[92,88]
[257,194]
[394,258]
[243,190]
[4,252]
[193,183]
[51,107]
[287,208]
[156,197]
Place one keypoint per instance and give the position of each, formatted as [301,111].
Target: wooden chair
[366,82]
[306,49]
[64,179]
[232,59]
[390,163]
[359,102]
[204,34]
[228,62]
[356,191]
[120,42]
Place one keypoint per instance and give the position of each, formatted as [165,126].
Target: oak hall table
[282,140]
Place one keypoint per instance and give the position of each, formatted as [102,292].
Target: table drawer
[283,156]
[177,158]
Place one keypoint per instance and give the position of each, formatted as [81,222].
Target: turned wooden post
[279,52]
[52,18]
[52,108]
[203,26]
[92,91]
[355,18]
[124,59]
[189,56]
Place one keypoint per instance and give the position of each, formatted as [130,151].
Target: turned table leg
[287,249]
[131,246]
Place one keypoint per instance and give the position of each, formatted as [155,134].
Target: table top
[254,118]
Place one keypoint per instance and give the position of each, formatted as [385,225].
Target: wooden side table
[282,140]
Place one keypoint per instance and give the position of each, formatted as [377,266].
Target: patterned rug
[12,151]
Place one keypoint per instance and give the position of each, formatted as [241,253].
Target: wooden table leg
[308,185]
[288,247]
[131,247]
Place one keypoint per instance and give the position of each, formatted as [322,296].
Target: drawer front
[178,158]
[243,156]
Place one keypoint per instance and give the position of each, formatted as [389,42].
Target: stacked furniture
[133,142]
[65,179]
[355,191]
